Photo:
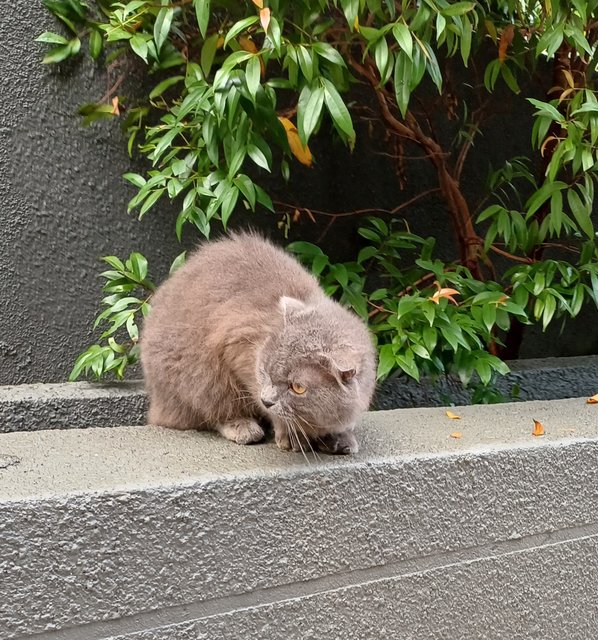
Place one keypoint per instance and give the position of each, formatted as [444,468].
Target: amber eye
[298,388]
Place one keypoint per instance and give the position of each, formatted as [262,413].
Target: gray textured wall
[63,205]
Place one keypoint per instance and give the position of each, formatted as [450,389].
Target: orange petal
[593,399]
[265,18]
[258,3]
[445,292]
[456,434]
[538,428]
[453,416]
[115,109]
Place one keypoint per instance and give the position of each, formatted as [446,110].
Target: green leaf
[208,52]
[160,88]
[114,262]
[489,315]
[381,58]
[386,361]
[489,212]
[139,46]
[162,26]
[96,42]
[202,12]
[263,198]
[232,61]
[484,371]
[239,27]
[306,63]
[229,200]
[252,75]
[581,213]
[75,46]
[546,109]
[247,188]
[57,54]
[420,351]
[309,109]
[430,337]
[306,249]
[509,79]
[549,309]
[318,264]
[178,262]
[403,37]
[407,364]
[150,201]
[138,265]
[466,41]
[339,273]
[458,8]
[135,179]
[327,51]
[338,110]
[51,38]
[350,9]
[538,198]
[257,155]
[432,66]
[402,76]
[491,74]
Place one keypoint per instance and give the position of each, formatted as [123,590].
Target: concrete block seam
[197,611]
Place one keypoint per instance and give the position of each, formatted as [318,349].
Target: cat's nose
[268,403]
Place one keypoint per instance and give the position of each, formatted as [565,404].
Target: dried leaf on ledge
[538,428]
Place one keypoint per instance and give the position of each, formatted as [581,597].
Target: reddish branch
[469,242]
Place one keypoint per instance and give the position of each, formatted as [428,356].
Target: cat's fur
[234,328]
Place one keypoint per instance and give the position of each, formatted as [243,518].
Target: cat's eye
[299,389]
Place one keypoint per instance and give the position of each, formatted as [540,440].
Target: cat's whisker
[298,425]
[310,428]
[291,429]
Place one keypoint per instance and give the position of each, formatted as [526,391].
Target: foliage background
[412,354]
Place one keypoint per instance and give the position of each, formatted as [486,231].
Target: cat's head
[317,373]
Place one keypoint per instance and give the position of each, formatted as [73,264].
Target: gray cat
[242,334]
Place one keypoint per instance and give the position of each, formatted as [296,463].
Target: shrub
[242,87]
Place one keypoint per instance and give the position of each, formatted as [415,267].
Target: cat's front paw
[242,431]
[343,443]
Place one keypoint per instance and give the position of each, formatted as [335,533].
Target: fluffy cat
[243,334]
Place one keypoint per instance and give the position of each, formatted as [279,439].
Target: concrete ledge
[534,379]
[74,405]
[82,404]
[148,534]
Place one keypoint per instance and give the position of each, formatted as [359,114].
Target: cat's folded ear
[291,306]
[340,366]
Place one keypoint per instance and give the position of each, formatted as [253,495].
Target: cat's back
[245,265]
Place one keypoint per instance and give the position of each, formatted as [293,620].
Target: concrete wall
[143,533]
[63,204]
